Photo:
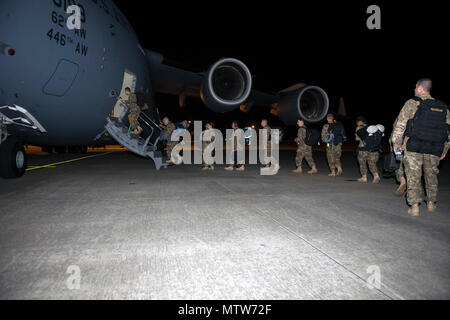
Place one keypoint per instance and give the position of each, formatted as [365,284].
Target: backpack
[428,129]
[312,137]
[372,141]
[338,131]
[141,99]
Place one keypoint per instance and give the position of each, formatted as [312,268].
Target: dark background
[324,43]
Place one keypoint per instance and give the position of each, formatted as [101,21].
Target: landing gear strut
[13,159]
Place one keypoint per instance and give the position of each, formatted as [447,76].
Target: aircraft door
[129,80]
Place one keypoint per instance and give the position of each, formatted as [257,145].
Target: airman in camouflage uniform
[208,126]
[265,126]
[234,165]
[168,127]
[415,161]
[134,113]
[334,153]
[303,150]
[365,157]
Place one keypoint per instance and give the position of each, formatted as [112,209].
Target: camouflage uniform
[168,129]
[415,161]
[366,157]
[303,150]
[135,111]
[334,153]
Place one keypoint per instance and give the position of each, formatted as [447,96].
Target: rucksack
[312,137]
[141,99]
[338,131]
[428,129]
[372,141]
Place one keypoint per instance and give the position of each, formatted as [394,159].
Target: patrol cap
[362,119]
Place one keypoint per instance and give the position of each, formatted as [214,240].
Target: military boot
[332,174]
[241,168]
[363,179]
[298,170]
[211,168]
[376,178]
[414,210]
[206,168]
[313,171]
[339,171]
[230,168]
[402,188]
[431,206]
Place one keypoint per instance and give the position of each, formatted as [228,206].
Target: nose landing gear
[13,159]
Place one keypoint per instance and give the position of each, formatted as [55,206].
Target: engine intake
[309,103]
[226,85]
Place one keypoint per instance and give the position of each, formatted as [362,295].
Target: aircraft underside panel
[142,146]
[14,119]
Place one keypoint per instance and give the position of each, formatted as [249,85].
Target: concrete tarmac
[180,233]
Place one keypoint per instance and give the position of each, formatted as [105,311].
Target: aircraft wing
[227,85]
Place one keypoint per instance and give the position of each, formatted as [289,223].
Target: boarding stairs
[146,145]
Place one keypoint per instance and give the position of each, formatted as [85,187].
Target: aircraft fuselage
[69,80]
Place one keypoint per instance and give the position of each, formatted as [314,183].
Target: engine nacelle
[226,85]
[309,103]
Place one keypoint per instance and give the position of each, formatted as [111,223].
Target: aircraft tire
[13,159]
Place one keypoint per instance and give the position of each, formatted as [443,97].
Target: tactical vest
[428,130]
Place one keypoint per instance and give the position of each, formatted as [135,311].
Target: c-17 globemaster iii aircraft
[62,87]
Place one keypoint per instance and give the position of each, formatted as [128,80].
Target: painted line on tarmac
[53,165]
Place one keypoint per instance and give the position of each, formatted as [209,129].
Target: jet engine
[226,85]
[309,103]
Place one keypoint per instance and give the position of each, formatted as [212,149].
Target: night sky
[287,42]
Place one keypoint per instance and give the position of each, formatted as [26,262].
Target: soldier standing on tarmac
[425,123]
[368,153]
[303,150]
[335,130]
[168,127]
[208,126]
